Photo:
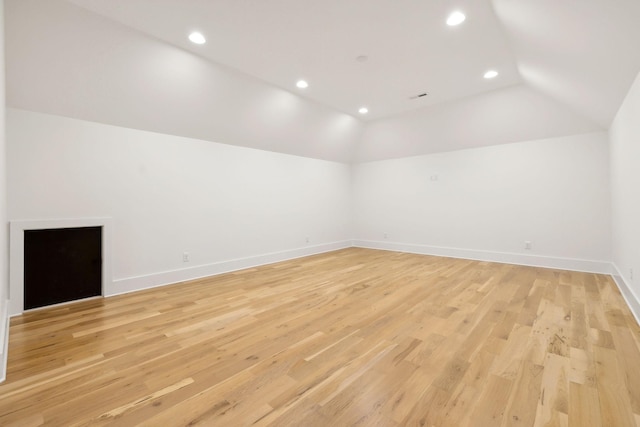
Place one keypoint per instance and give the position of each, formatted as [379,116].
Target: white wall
[67,61]
[625,194]
[487,201]
[169,194]
[4,244]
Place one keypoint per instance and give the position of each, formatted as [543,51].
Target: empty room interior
[320,213]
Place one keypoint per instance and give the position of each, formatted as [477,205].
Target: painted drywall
[167,195]
[486,202]
[503,116]
[67,61]
[625,195]
[4,227]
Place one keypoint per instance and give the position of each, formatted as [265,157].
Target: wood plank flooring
[353,337]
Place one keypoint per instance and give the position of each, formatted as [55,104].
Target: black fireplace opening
[61,265]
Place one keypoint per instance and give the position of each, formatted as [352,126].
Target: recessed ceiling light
[302,84]
[456,18]
[490,74]
[363,110]
[197,38]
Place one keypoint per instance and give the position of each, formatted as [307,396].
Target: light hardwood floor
[353,337]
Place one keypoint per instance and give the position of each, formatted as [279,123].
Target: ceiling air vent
[420,95]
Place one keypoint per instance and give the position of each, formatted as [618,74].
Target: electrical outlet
[434,177]
[527,245]
[307,239]
[386,236]
[185,257]
[631,273]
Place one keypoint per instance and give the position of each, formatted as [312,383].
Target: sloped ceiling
[65,60]
[565,67]
[517,113]
[584,53]
[409,47]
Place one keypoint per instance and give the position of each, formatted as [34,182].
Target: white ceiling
[409,46]
[565,67]
[585,53]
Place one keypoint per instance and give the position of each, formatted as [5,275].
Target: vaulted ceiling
[377,53]
[564,68]
[584,53]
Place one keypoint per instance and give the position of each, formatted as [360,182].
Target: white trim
[58,305]
[16,253]
[4,339]
[589,266]
[137,283]
[632,300]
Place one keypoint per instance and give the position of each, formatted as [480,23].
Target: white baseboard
[627,292]
[137,283]
[4,339]
[588,266]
